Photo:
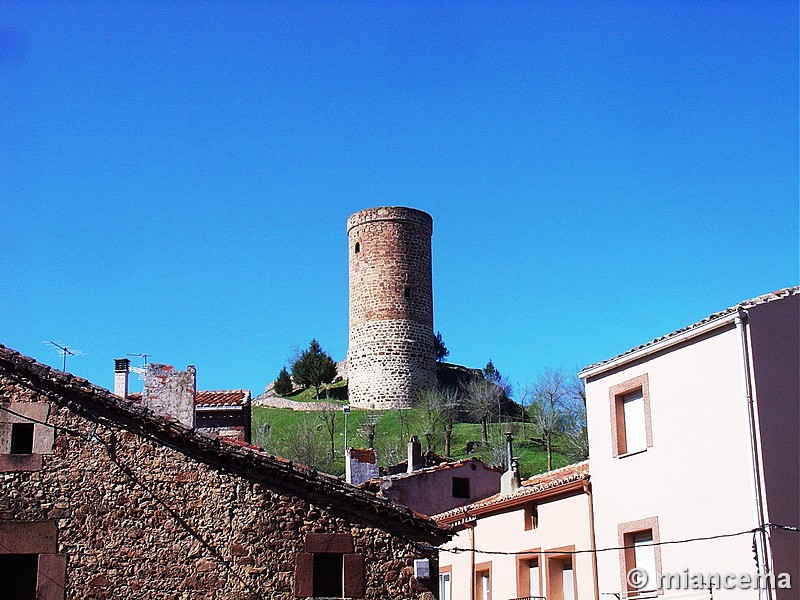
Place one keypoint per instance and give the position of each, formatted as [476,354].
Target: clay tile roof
[364,455]
[221,398]
[283,476]
[745,304]
[531,488]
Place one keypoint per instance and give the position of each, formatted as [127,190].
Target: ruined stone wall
[391,352]
[162,525]
[168,391]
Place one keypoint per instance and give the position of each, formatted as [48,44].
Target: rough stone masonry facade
[391,351]
[125,504]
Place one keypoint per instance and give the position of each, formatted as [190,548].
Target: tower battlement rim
[390,214]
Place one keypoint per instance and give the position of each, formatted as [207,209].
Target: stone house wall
[136,517]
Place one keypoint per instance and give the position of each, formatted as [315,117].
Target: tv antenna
[143,356]
[140,371]
[64,351]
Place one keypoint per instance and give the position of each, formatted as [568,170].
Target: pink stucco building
[695,435]
[522,543]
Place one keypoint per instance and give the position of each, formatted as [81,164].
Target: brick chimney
[414,454]
[171,392]
[121,369]
[361,464]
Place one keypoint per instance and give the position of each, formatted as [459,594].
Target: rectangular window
[445,591]
[533,574]
[484,586]
[460,487]
[483,581]
[633,411]
[641,551]
[630,416]
[18,574]
[328,571]
[22,438]
[531,517]
[567,581]
[644,558]
[560,578]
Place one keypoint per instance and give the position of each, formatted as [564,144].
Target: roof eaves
[96,403]
[709,323]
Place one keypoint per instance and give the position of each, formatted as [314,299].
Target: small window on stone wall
[407,292]
[18,576]
[328,575]
[329,568]
[21,438]
[460,487]
[358,247]
[24,436]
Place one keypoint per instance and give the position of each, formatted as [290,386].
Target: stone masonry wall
[163,525]
[390,355]
[168,391]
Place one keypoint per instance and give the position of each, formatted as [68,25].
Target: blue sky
[175,177]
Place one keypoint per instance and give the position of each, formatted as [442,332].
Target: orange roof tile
[221,398]
[531,487]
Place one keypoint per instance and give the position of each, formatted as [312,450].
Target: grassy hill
[304,437]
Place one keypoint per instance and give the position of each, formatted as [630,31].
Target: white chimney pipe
[121,369]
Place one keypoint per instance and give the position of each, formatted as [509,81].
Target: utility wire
[764,527]
[93,437]
[454,550]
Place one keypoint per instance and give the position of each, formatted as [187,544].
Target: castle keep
[391,354]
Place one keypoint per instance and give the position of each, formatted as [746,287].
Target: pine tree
[314,368]
[439,349]
[283,384]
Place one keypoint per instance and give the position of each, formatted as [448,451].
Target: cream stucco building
[695,435]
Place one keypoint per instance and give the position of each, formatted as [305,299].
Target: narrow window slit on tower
[358,247]
[407,292]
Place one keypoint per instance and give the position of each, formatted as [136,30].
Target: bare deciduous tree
[328,418]
[576,430]
[450,406]
[428,416]
[369,427]
[481,398]
[305,445]
[546,402]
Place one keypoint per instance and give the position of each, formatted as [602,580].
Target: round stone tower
[390,355]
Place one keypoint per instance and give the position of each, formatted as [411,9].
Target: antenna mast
[64,351]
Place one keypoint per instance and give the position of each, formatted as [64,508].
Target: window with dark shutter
[460,487]
[18,576]
[22,438]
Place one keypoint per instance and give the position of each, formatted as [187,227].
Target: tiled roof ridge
[213,397]
[440,467]
[533,485]
[745,304]
[200,393]
[577,470]
[83,397]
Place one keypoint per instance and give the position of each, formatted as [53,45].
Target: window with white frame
[445,589]
[640,543]
[631,431]
[634,422]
